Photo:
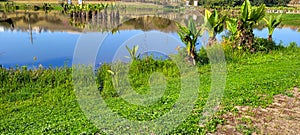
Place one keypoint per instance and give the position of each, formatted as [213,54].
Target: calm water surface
[35,41]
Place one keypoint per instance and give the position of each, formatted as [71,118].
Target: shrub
[262,44]
[202,56]
[292,45]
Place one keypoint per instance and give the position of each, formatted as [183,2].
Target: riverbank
[43,101]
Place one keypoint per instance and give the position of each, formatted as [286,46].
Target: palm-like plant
[189,36]
[250,14]
[214,24]
[231,25]
[132,52]
[249,17]
[272,23]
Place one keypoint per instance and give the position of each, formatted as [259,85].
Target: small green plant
[202,56]
[132,52]
[272,23]
[292,46]
[231,26]
[265,45]
[214,24]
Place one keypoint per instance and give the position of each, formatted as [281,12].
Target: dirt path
[282,117]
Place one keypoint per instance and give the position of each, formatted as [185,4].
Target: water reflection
[282,35]
[51,37]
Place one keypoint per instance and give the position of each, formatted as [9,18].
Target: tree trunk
[211,41]
[270,38]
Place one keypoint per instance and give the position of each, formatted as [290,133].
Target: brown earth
[282,117]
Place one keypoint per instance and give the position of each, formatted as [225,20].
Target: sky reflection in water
[57,48]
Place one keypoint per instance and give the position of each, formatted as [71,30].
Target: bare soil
[282,117]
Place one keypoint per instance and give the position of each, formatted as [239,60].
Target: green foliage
[249,15]
[231,25]
[233,3]
[288,19]
[8,7]
[189,36]
[213,23]
[241,29]
[265,45]
[42,101]
[292,46]
[202,56]
[132,52]
[272,23]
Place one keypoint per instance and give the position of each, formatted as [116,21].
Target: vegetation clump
[240,37]
[42,101]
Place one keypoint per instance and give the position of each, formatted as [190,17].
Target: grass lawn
[43,101]
[289,19]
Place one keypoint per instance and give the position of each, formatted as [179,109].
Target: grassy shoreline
[46,100]
[43,101]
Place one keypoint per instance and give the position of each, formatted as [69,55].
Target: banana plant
[249,17]
[231,25]
[272,23]
[86,7]
[189,36]
[214,24]
[132,52]
[250,14]
[104,5]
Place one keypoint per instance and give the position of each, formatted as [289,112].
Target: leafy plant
[248,18]
[47,7]
[189,36]
[272,23]
[132,52]
[262,44]
[203,58]
[231,26]
[214,24]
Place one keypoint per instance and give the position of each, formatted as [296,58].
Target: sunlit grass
[43,100]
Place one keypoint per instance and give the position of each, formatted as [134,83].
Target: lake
[52,39]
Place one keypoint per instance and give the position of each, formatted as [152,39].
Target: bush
[292,45]
[202,56]
[262,44]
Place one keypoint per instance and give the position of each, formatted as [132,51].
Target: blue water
[280,35]
[56,49]
[49,48]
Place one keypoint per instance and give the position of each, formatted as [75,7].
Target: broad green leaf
[111,72]
[192,26]
[245,9]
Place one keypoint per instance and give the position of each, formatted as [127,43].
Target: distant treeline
[212,3]
[239,2]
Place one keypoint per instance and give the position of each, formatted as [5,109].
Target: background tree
[272,23]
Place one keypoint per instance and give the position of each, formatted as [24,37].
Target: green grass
[289,19]
[43,101]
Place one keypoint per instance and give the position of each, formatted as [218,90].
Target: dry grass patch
[281,117]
